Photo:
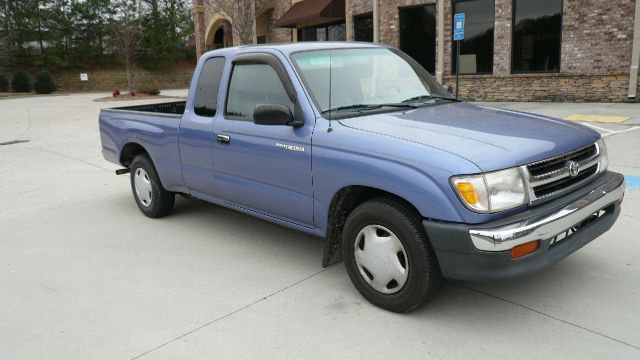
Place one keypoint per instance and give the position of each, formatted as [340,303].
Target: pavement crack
[233,312]
[68,157]
[545,315]
[26,131]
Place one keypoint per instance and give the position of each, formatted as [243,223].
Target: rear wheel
[152,199]
[388,256]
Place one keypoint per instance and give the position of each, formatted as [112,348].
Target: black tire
[162,201]
[424,279]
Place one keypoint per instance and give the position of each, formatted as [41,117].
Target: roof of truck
[288,48]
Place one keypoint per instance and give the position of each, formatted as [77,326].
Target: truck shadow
[560,284]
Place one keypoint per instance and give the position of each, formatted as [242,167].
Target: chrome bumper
[545,227]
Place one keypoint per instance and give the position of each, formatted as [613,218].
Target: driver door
[264,168]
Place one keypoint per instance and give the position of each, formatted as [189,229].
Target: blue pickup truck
[358,144]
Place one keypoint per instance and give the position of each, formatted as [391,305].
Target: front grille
[552,176]
[563,183]
[559,162]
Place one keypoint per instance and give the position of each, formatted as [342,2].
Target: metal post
[440,42]
[635,54]
[457,67]
[376,25]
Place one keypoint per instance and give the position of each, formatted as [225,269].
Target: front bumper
[482,252]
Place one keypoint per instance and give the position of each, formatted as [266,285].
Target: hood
[493,139]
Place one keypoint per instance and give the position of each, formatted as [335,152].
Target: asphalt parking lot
[84,275]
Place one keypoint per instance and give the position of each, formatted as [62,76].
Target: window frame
[453,43]
[326,30]
[264,58]
[197,91]
[435,14]
[357,17]
[513,36]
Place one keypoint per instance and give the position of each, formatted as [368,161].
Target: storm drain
[14,142]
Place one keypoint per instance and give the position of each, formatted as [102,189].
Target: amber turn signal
[524,249]
[468,192]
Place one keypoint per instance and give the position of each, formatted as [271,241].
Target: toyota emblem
[574,168]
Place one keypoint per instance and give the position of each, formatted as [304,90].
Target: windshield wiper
[364,107]
[429,97]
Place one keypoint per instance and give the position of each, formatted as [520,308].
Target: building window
[331,32]
[537,35]
[476,50]
[363,27]
[418,34]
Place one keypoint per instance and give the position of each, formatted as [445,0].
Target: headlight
[491,192]
[604,156]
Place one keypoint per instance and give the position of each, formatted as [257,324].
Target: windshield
[366,79]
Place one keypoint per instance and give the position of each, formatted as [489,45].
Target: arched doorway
[218,38]
[218,34]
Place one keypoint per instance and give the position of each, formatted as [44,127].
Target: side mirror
[448,88]
[272,114]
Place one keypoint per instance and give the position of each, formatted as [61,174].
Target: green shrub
[21,82]
[44,83]
[149,90]
[4,83]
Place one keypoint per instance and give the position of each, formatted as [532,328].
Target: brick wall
[597,36]
[107,80]
[276,34]
[548,87]
[502,38]
[388,19]
[358,7]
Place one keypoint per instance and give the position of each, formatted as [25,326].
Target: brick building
[527,50]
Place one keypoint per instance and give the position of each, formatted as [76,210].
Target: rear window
[206,99]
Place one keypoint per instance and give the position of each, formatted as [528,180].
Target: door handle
[223,139]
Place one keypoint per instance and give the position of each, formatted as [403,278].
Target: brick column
[200,28]
[502,38]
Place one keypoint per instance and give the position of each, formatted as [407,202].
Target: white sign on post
[84,77]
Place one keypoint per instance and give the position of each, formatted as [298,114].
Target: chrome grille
[552,176]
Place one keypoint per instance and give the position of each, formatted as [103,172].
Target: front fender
[407,171]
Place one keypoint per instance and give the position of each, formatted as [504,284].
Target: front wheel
[388,256]
[152,199]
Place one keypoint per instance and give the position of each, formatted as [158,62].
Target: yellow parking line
[597,118]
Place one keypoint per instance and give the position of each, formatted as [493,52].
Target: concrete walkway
[86,276]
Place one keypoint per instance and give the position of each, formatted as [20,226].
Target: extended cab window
[206,99]
[253,84]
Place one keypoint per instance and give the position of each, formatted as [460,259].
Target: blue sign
[458,27]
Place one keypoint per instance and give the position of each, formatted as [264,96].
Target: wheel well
[129,151]
[342,204]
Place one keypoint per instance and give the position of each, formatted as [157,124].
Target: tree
[4,51]
[125,38]
[53,34]
[166,31]
[241,14]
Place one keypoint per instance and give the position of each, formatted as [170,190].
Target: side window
[253,84]
[206,99]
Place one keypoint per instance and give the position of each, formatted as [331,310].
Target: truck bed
[172,108]
[153,126]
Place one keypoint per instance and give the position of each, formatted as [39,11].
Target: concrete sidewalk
[86,276]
